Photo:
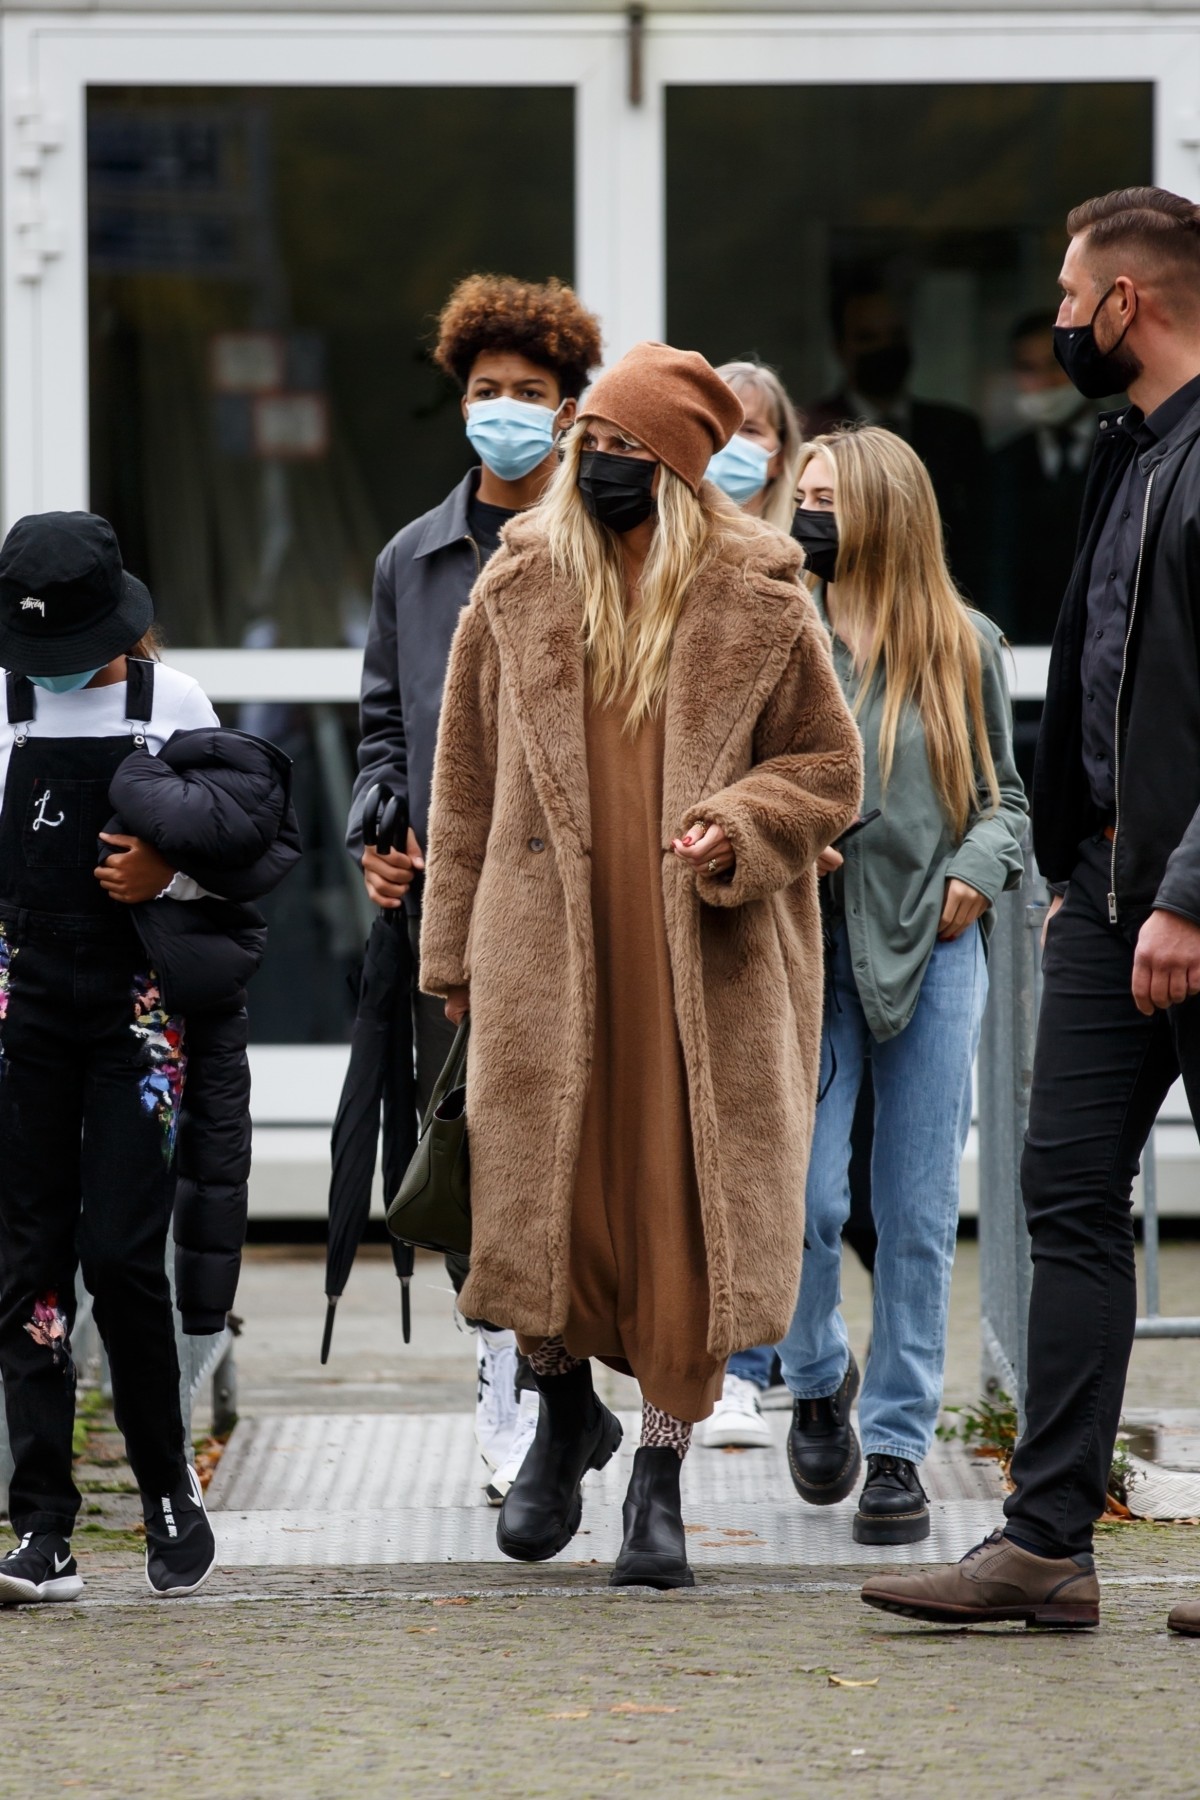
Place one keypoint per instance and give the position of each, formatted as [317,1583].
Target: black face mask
[817,535]
[616,489]
[1095,372]
[880,374]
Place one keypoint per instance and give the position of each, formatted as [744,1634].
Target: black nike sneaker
[41,1568]
[181,1552]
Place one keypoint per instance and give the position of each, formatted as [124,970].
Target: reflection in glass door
[265,268]
[893,250]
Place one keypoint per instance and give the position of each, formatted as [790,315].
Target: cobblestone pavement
[510,1682]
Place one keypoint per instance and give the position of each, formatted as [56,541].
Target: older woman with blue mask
[757,467]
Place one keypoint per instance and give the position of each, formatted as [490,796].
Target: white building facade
[226,232]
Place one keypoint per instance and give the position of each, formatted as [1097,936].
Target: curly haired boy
[521,352]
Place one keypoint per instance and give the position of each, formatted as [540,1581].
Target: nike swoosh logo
[60,1566]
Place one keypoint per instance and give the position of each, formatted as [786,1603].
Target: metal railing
[1004,1077]
[1153,1323]
[1005,1074]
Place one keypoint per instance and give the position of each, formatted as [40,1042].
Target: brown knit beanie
[672,401]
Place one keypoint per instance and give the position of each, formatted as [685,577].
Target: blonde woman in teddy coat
[643,749]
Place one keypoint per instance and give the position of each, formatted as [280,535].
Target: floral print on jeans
[48,1327]
[7,952]
[162,1038]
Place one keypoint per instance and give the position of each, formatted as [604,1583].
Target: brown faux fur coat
[759,739]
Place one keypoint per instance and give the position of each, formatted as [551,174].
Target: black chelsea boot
[654,1553]
[576,1432]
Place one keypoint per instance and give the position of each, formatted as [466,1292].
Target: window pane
[266,268]
[932,219]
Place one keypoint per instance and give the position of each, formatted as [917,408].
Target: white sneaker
[736,1422]
[496,1395]
[522,1437]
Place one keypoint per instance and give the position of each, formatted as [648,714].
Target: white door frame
[49,59]
[49,62]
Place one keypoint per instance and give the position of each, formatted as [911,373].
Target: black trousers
[1101,1071]
[90,1079]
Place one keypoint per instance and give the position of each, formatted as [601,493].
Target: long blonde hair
[779,502]
[894,594]
[629,650]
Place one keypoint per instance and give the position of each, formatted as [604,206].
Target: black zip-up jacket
[218,805]
[1156,850]
[423,579]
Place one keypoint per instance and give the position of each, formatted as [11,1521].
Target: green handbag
[432,1210]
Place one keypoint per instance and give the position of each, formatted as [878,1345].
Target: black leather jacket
[1156,850]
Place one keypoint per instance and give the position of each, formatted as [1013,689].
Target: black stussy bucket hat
[66,602]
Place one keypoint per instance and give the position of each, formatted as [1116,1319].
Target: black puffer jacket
[1156,851]
[217,805]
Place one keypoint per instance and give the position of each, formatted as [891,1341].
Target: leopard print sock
[661,1431]
[551,1357]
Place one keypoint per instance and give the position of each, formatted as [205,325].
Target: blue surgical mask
[511,436]
[64,684]
[740,469]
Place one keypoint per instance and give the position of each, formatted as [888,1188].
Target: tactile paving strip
[383,1488]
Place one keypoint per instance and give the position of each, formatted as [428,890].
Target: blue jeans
[922,1116]
[753,1365]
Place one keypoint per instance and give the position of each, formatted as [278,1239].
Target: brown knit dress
[639,1277]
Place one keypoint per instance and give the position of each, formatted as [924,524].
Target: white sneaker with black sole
[496,1394]
[181,1552]
[40,1569]
[522,1437]
[736,1422]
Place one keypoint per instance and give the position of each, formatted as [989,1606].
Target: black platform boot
[822,1448]
[575,1432]
[654,1553]
[893,1507]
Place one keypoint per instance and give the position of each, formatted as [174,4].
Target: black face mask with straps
[1095,372]
[816,532]
[616,489]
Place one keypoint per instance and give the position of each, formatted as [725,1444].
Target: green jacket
[890,890]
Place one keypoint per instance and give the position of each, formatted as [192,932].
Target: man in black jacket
[521,352]
[1116,825]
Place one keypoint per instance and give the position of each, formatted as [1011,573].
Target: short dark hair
[545,321]
[1032,324]
[860,281]
[1163,228]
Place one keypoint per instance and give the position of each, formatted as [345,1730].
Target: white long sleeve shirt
[180,704]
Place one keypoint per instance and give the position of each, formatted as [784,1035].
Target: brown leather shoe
[994,1582]
[1185,1618]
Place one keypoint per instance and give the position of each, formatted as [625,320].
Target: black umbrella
[381,1073]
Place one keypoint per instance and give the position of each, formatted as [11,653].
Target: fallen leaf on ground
[844,1681]
[631,1706]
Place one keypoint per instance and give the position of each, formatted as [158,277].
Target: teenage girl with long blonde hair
[643,749]
[908,907]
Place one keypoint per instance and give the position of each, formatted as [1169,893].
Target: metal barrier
[1005,1073]
[200,1359]
[1154,1324]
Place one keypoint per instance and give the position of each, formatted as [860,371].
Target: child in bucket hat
[93,1058]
